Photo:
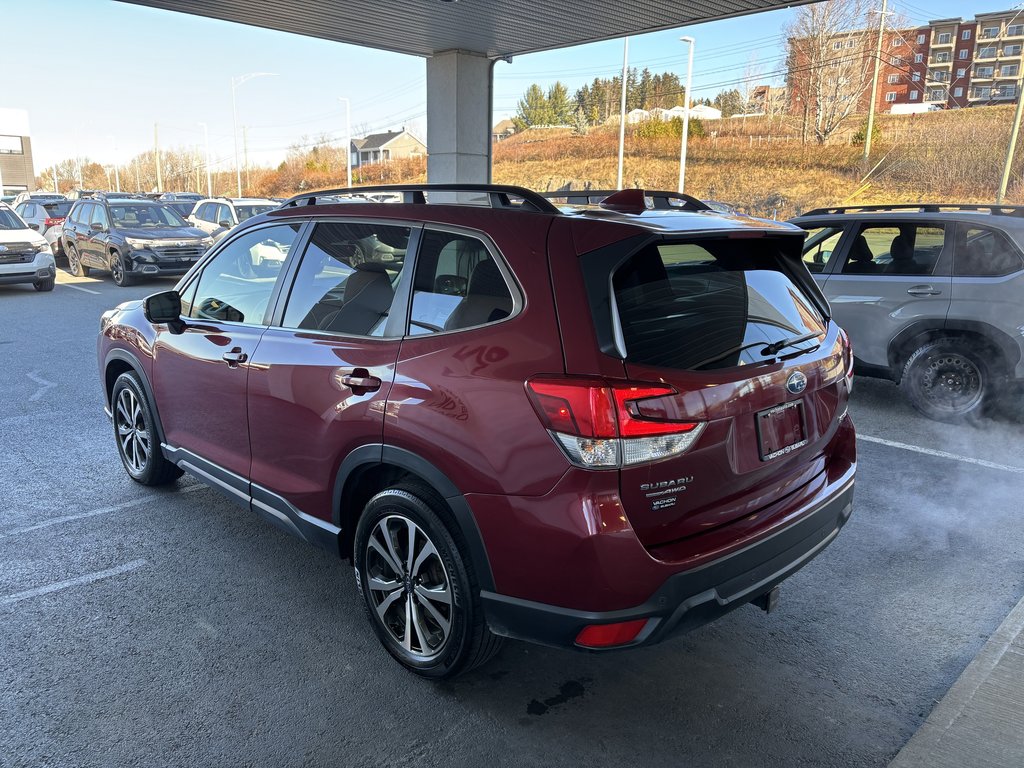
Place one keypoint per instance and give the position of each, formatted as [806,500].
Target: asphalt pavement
[173,628]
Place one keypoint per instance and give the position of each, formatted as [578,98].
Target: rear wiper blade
[777,346]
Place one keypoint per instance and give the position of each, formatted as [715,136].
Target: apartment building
[948,64]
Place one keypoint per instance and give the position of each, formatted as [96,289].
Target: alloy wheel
[409,587]
[117,269]
[131,431]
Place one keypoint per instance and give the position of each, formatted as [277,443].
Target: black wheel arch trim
[135,364]
[375,454]
[1010,350]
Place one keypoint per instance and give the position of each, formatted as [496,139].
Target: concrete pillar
[459,95]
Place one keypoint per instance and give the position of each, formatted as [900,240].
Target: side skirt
[270,506]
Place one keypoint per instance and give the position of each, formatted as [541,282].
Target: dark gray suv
[932,297]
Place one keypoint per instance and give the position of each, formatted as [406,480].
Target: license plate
[781,430]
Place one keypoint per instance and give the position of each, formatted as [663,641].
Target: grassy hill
[761,165]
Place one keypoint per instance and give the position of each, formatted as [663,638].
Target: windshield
[10,220]
[141,215]
[248,211]
[714,304]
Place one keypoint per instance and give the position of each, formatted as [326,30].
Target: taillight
[847,356]
[53,222]
[608,635]
[602,425]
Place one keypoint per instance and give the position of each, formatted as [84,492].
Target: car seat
[862,260]
[902,253]
[487,299]
[368,296]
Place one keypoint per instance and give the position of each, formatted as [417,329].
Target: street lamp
[235,82]
[117,173]
[209,180]
[686,115]
[348,142]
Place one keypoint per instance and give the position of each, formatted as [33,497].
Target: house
[503,130]
[385,147]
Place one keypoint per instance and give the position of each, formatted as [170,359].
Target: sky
[151,67]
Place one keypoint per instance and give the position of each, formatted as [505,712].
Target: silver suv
[932,297]
[216,216]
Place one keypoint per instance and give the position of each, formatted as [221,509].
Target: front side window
[458,285]
[346,282]
[99,216]
[904,249]
[982,252]
[710,304]
[236,285]
[819,245]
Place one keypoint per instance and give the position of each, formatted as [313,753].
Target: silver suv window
[900,249]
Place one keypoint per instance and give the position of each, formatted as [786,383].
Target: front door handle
[360,381]
[923,290]
[234,357]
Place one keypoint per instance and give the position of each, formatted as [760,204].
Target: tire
[75,265]
[947,380]
[122,278]
[44,285]
[391,590]
[135,434]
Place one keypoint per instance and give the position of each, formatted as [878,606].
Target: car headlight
[43,247]
[206,242]
[138,244]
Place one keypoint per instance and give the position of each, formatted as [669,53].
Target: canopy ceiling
[498,28]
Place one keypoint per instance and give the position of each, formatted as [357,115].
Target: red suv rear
[584,427]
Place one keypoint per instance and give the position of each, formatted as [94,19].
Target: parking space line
[79,288]
[86,579]
[102,511]
[942,454]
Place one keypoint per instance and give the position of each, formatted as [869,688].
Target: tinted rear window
[55,210]
[710,305]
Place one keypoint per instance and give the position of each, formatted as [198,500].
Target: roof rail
[660,200]
[995,210]
[498,195]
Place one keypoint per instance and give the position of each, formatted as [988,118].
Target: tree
[559,107]
[533,109]
[579,123]
[829,71]
[729,102]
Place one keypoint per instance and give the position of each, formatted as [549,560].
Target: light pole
[622,110]
[874,83]
[209,178]
[117,173]
[235,82]
[348,142]
[686,114]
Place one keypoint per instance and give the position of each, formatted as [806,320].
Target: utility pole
[348,142]
[686,114]
[235,82]
[156,157]
[622,110]
[56,189]
[209,179]
[138,181]
[874,83]
[1012,147]
[245,154]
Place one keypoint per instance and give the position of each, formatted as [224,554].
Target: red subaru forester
[585,426]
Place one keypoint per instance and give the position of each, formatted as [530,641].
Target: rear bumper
[690,598]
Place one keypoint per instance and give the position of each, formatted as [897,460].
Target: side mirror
[34,226]
[164,307]
[96,226]
[225,223]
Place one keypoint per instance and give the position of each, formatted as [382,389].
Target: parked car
[129,237]
[216,216]
[82,194]
[590,430]
[46,216]
[25,255]
[179,196]
[181,207]
[930,295]
[21,197]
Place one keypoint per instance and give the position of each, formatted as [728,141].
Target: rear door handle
[360,381]
[234,357]
[923,290]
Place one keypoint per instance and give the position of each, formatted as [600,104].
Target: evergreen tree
[533,109]
[560,109]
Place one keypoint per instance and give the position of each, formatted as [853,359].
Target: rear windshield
[248,211]
[56,210]
[716,304]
